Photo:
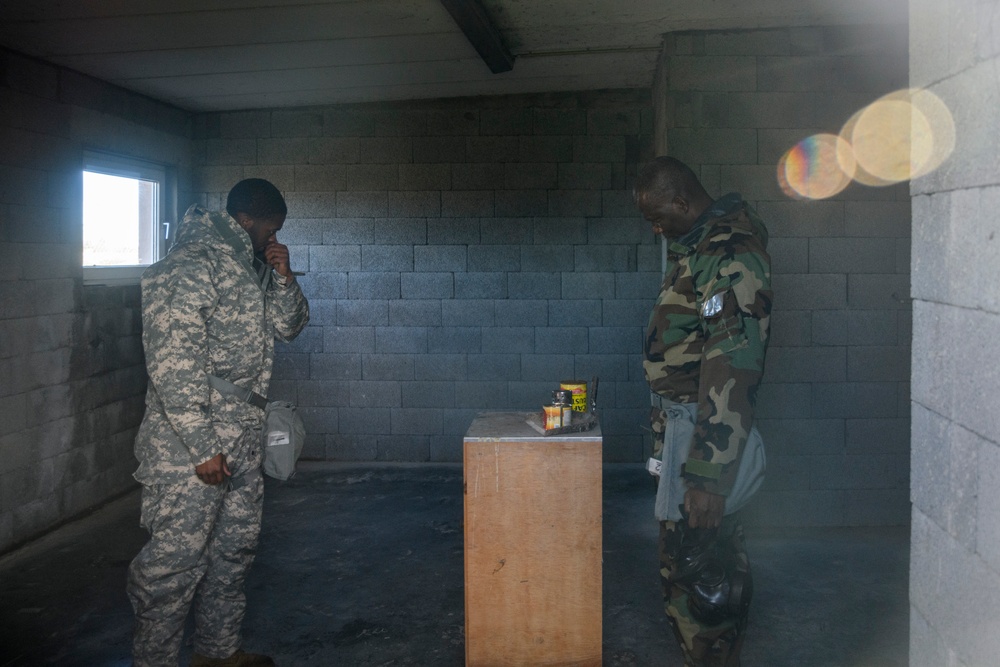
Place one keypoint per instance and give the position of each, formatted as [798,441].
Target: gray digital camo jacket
[203,312]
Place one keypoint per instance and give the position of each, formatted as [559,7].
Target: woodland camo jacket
[711,350]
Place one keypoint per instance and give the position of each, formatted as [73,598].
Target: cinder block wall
[461,256]
[72,379]
[955,554]
[834,408]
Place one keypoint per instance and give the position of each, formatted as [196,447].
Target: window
[123,213]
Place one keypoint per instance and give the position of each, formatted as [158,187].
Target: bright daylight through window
[122,217]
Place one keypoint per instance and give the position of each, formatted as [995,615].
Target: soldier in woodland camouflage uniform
[703,357]
[214,305]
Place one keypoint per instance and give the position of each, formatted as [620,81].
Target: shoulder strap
[229,237]
[227,387]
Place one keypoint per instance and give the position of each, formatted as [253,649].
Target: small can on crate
[579,391]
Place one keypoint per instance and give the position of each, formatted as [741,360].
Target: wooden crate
[532,545]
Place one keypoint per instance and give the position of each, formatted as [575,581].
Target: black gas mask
[719,587]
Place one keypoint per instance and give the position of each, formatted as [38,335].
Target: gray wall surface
[461,256]
[955,553]
[834,405]
[72,379]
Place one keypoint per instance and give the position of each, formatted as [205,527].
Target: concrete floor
[362,565]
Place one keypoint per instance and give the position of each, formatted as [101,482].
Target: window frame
[114,164]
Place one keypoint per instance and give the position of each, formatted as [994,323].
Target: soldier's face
[668,215]
[262,231]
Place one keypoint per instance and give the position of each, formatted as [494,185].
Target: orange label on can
[579,390]
[553,416]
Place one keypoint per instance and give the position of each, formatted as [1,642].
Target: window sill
[112,275]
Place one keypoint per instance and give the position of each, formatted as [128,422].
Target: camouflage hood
[726,209]
[215,229]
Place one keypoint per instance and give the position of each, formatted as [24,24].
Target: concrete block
[401,340]
[440,258]
[613,122]
[713,73]
[530,176]
[363,285]
[427,285]
[505,122]
[587,286]
[323,312]
[416,421]
[584,176]
[403,448]
[627,311]
[715,146]
[878,364]
[340,150]
[320,178]
[349,231]
[400,123]
[591,148]
[428,394]
[317,393]
[375,394]
[522,312]
[415,313]
[506,231]
[808,218]
[398,367]
[364,421]
[602,258]
[812,291]
[480,395]
[508,340]
[560,231]
[879,472]
[302,232]
[556,122]
[832,73]
[618,204]
[830,327]
[545,368]
[453,231]
[436,150]
[877,507]
[554,340]
[230,151]
[448,448]
[878,435]
[468,312]
[309,340]
[362,204]
[875,291]
[545,149]
[481,285]
[387,258]
[372,177]
[485,258]
[927,648]
[855,400]
[574,203]
[789,255]
[547,258]
[536,285]
[214,178]
[440,367]
[604,340]
[802,508]
[292,367]
[791,328]
[617,230]
[467,204]
[776,400]
[638,285]
[296,123]
[283,151]
[23,186]
[493,367]
[386,150]
[515,203]
[987,521]
[748,43]
[851,255]
[576,313]
[334,366]
[319,420]
[414,204]
[352,447]
[530,395]
[454,340]
[486,176]
[882,219]
[610,367]
[245,124]
[400,230]
[425,177]
[362,312]
[493,149]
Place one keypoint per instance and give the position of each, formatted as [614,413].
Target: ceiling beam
[471,17]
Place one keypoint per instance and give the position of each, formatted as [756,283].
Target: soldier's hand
[276,254]
[213,471]
[704,509]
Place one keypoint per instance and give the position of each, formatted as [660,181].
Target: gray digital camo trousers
[202,541]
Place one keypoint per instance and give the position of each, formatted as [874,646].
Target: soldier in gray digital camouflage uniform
[214,305]
[703,358]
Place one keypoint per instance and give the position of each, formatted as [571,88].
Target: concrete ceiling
[205,55]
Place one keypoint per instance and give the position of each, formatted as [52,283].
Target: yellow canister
[579,389]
